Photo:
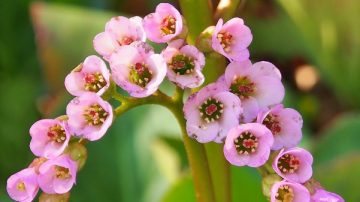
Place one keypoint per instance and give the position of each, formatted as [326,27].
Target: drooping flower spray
[241,111]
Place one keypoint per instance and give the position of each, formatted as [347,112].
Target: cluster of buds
[242,109]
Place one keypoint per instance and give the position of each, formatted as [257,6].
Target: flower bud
[204,40]
[78,153]
[267,182]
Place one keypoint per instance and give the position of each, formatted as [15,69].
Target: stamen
[94,82]
[284,194]
[182,64]
[288,163]
[272,123]
[95,115]
[57,134]
[211,110]
[246,143]
[168,25]
[242,87]
[226,39]
[62,172]
[140,74]
[20,186]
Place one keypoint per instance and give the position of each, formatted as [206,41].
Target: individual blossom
[289,192]
[184,64]
[232,39]
[163,25]
[58,175]
[49,138]
[294,165]
[137,70]
[90,76]
[89,116]
[322,195]
[119,31]
[23,186]
[285,124]
[258,86]
[211,112]
[248,144]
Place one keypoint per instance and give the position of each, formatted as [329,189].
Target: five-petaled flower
[232,39]
[257,85]
[90,76]
[211,112]
[289,192]
[119,31]
[163,25]
[49,137]
[89,116]
[248,144]
[58,175]
[137,71]
[184,64]
[284,123]
[294,165]
[23,186]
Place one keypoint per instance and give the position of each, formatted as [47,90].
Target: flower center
[211,110]
[140,74]
[242,87]
[182,64]
[95,115]
[62,173]
[20,186]
[168,25]
[126,41]
[226,39]
[57,134]
[246,143]
[288,163]
[284,194]
[272,124]
[94,82]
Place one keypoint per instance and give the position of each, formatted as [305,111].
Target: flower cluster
[242,109]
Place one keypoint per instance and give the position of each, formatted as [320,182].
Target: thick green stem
[220,171]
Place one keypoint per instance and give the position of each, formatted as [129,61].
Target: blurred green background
[315,44]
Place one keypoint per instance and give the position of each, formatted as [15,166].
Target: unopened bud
[204,40]
[267,183]
[78,153]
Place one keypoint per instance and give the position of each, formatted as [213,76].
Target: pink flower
[184,65]
[163,25]
[258,86]
[23,186]
[137,70]
[294,165]
[285,124]
[211,112]
[119,31]
[288,191]
[89,116]
[57,176]
[92,75]
[232,39]
[322,195]
[248,144]
[49,138]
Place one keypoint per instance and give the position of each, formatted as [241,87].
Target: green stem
[220,171]
[195,151]
[226,9]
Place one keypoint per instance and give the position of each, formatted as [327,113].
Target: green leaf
[246,184]
[182,190]
[342,137]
